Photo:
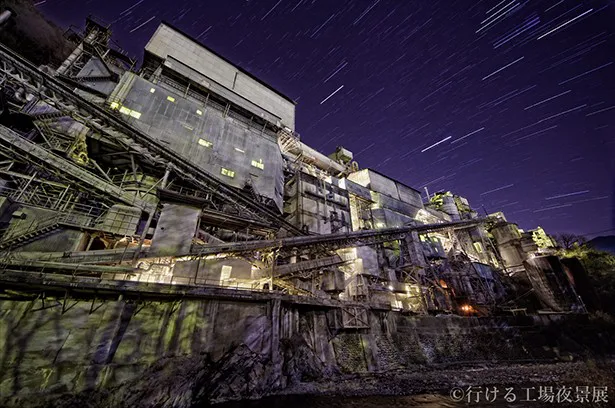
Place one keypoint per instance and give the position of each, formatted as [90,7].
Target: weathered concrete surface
[185,353]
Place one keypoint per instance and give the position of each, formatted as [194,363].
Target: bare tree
[567,241]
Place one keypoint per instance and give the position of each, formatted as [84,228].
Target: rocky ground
[442,380]
[199,383]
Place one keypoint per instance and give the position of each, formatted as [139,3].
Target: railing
[80,216]
[11,263]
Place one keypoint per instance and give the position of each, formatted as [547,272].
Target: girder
[326,243]
[42,158]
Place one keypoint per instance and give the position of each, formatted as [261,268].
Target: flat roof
[243,71]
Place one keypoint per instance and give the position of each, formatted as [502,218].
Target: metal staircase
[290,288]
[38,228]
[30,233]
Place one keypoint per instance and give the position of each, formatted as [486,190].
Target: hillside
[605,243]
[33,36]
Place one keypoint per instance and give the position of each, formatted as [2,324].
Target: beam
[332,241]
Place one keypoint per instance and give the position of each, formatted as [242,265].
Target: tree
[569,241]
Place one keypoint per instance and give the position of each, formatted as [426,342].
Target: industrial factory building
[188,173]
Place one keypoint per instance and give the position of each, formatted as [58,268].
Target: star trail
[508,103]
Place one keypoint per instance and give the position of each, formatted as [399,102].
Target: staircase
[290,288]
[38,228]
[29,235]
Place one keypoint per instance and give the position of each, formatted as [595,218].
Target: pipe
[321,161]
[4,16]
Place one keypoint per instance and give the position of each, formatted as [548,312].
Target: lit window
[115,105]
[170,99]
[152,90]
[478,247]
[205,143]
[198,112]
[258,164]
[125,110]
[227,172]
[225,274]
[135,114]
[239,150]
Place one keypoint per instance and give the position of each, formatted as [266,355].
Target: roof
[243,71]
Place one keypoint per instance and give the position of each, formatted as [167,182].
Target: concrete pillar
[176,227]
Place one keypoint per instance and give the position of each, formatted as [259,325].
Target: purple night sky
[508,103]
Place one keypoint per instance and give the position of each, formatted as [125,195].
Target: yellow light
[258,164]
[198,112]
[227,172]
[152,90]
[115,105]
[205,143]
[135,114]
[125,110]
[170,99]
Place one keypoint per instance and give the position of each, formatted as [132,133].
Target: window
[227,172]
[152,90]
[170,99]
[129,112]
[225,274]
[199,112]
[478,247]
[205,143]
[258,164]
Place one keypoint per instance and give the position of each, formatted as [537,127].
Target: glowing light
[152,90]
[115,105]
[258,164]
[125,110]
[205,143]
[239,150]
[135,114]
[227,172]
[198,112]
[170,99]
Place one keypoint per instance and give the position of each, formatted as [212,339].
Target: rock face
[192,352]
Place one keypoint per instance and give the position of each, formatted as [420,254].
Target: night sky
[508,103]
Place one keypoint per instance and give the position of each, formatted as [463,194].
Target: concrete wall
[175,229]
[145,351]
[167,41]
[204,136]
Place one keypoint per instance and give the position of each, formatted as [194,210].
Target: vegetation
[600,268]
